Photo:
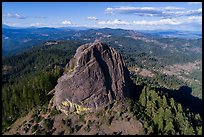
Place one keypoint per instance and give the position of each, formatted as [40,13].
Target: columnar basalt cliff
[95,77]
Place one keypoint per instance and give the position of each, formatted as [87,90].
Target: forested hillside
[165,71]
[33,74]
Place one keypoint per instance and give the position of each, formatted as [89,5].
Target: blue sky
[126,15]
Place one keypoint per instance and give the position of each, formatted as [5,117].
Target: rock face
[95,77]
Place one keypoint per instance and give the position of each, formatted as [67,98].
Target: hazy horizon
[184,16]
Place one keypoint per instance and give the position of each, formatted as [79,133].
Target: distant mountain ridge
[6,26]
[164,33]
[173,33]
[15,40]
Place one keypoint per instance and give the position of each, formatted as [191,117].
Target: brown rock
[94,78]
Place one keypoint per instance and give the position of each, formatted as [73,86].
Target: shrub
[26,129]
[48,123]
[71,130]
[63,121]
[98,114]
[98,125]
[37,118]
[89,125]
[34,128]
[81,118]
[87,128]
[54,112]
[31,121]
[109,120]
[77,127]
[68,122]
[61,133]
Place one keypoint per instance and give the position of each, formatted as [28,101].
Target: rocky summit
[94,78]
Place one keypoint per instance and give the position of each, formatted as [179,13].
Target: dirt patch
[7,69]
[146,73]
[140,71]
[115,120]
[182,68]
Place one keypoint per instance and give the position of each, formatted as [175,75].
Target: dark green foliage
[36,118]
[48,124]
[99,114]
[98,124]
[54,111]
[81,118]
[162,115]
[34,128]
[159,80]
[35,73]
[88,126]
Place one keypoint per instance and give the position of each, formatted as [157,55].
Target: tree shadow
[184,96]
[135,90]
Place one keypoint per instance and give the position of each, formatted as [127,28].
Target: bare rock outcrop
[95,77]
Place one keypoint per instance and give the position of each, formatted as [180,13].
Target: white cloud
[171,21]
[194,19]
[167,21]
[173,8]
[158,22]
[36,24]
[92,18]
[184,13]
[10,24]
[154,11]
[114,22]
[200,10]
[66,22]
[195,3]
[129,10]
[17,16]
